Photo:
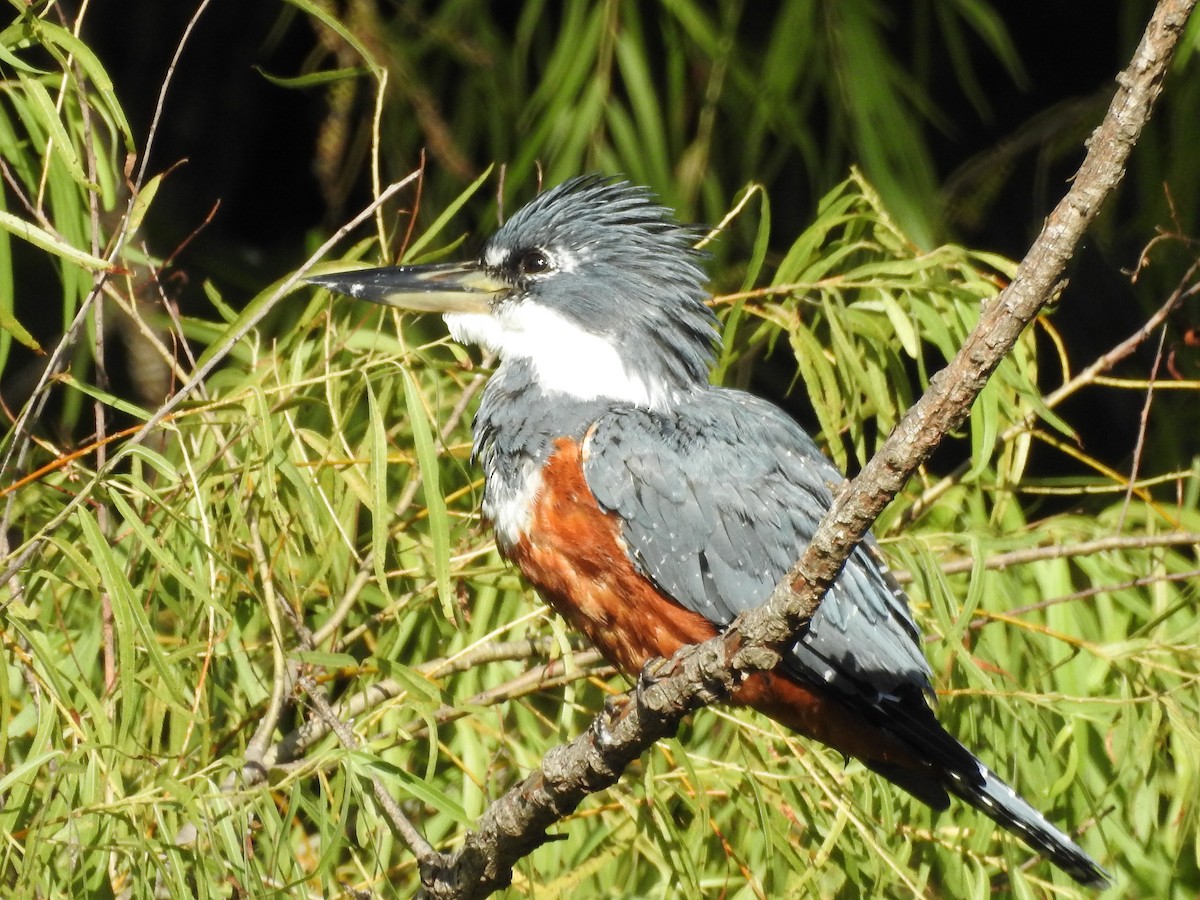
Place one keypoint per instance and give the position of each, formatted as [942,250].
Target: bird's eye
[535,262]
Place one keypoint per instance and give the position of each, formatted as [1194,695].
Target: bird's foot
[617,706]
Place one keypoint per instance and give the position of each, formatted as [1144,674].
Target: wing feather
[717,501]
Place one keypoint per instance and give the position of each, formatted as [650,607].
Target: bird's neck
[515,429]
[520,416]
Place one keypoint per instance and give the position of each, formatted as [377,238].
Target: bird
[649,507]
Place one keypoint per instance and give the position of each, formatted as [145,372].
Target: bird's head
[593,284]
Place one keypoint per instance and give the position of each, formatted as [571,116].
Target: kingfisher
[649,507]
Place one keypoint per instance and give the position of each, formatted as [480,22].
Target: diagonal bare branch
[516,823]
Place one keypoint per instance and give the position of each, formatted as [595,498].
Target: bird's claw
[654,671]
[602,726]
[614,706]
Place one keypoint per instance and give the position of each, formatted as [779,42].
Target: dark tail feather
[1000,803]
[948,766]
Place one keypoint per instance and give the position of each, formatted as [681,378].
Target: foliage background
[311,509]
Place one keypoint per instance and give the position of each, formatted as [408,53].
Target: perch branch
[516,823]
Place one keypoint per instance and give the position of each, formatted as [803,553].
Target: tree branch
[516,823]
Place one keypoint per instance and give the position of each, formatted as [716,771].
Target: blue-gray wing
[717,500]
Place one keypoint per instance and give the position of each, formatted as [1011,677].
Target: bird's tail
[1000,803]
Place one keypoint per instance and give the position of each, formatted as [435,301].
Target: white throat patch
[565,358]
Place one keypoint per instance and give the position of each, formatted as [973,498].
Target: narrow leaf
[435,503]
[39,237]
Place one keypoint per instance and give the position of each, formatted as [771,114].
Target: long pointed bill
[440,288]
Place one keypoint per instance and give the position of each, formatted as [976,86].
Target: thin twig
[543,677]
[1085,593]
[160,103]
[1143,423]
[1001,561]
[281,686]
[401,824]
[1185,290]
[585,664]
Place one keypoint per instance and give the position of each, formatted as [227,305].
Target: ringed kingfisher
[649,508]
